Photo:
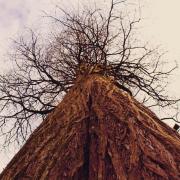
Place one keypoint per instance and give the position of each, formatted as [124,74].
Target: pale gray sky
[161,26]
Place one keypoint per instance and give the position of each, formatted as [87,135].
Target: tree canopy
[87,42]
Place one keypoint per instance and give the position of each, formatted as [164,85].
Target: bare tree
[88,42]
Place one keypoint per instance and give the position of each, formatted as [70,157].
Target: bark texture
[98,132]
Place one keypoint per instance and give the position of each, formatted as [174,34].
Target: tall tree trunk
[98,131]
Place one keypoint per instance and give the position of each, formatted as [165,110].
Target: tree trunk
[99,132]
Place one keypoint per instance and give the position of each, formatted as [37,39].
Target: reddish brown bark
[98,132]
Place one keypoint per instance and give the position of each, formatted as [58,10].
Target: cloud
[10,12]
[16,15]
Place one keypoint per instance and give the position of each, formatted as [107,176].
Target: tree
[87,43]
[98,131]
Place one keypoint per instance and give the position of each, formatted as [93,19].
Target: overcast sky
[161,26]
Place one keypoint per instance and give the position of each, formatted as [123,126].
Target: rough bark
[98,131]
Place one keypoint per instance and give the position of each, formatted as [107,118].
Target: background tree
[89,42]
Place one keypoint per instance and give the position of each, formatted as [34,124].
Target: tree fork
[98,131]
